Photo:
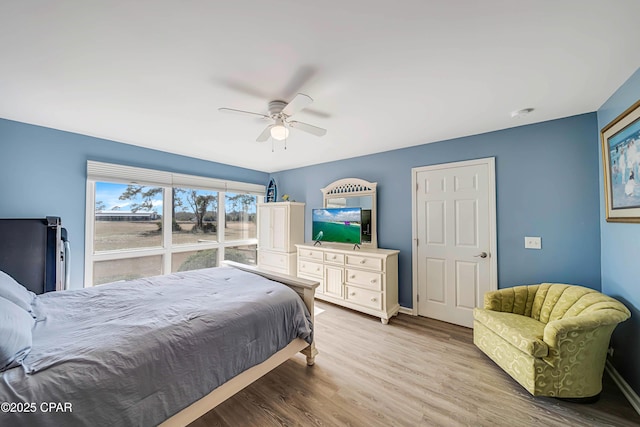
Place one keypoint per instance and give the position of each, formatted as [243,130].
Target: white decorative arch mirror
[355,192]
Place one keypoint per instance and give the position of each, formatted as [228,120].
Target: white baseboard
[624,387]
[406,310]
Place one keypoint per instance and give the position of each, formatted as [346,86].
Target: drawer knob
[353,276]
[334,257]
[373,280]
[317,268]
[353,294]
[310,253]
[363,261]
[374,299]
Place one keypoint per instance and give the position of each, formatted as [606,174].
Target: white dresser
[365,279]
[280,228]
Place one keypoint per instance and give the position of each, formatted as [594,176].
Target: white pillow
[15,334]
[16,293]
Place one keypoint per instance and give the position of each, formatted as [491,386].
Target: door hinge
[418,298]
[417,185]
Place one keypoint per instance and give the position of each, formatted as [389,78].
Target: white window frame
[108,172]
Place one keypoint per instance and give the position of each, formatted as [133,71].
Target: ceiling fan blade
[233,110]
[265,134]
[300,78]
[314,130]
[244,88]
[298,103]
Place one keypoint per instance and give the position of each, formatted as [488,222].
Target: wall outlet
[533,243]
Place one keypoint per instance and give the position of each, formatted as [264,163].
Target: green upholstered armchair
[552,338]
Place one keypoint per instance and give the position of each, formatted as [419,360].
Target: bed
[162,350]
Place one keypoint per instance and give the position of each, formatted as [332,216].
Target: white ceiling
[383,74]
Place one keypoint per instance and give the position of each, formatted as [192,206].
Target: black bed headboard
[30,252]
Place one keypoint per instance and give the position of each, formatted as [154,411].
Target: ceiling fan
[280,112]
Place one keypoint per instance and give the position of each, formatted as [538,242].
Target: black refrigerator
[35,252]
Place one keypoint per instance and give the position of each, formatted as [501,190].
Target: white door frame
[493,242]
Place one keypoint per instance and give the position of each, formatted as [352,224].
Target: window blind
[109,172]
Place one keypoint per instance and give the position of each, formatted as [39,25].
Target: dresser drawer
[310,268]
[310,253]
[273,259]
[364,297]
[282,270]
[366,279]
[370,263]
[333,258]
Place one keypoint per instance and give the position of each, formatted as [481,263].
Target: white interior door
[455,260]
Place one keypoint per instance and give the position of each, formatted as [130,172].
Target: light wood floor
[412,372]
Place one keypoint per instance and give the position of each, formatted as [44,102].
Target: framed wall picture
[621,161]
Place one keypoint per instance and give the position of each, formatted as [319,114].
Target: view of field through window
[130,217]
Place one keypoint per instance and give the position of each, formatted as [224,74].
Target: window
[126,269]
[247,254]
[195,216]
[241,216]
[142,222]
[127,217]
[194,260]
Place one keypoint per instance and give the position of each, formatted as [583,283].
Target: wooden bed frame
[306,290]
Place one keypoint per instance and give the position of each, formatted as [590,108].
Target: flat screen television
[339,225]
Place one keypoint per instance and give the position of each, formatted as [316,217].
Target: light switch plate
[533,243]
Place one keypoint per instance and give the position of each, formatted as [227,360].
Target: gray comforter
[135,353]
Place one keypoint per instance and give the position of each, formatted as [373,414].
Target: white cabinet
[363,279]
[333,280]
[280,228]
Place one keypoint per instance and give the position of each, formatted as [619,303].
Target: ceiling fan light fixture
[278,131]
[279,111]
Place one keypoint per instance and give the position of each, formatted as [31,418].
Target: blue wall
[546,178]
[43,172]
[547,185]
[621,254]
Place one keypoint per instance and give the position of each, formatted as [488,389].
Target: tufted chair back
[548,302]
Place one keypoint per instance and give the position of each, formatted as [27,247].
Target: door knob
[481,255]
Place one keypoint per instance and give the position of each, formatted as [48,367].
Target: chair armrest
[582,323]
[571,335]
